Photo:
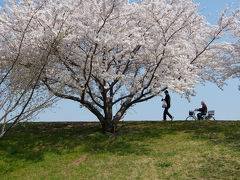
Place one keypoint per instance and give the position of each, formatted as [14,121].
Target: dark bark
[108,126]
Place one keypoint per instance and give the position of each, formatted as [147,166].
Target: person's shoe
[172,118]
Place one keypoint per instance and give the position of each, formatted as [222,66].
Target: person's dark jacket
[203,110]
[168,100]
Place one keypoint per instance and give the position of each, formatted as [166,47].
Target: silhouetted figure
[203,111]
[168,102]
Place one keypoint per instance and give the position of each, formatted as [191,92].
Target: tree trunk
[108,123]
[108,126]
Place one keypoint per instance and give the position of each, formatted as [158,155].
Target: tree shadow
[225,133]
[29,142]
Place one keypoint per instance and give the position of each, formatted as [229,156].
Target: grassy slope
[141,150]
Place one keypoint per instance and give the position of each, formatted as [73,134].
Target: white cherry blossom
[113,53]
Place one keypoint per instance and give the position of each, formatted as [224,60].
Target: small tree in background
[21,95]
[109,55]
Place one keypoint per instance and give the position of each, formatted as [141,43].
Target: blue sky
[226,103]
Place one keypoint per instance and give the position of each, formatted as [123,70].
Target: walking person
[168,105]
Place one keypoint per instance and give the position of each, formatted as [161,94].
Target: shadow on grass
[226,133]
[30,141]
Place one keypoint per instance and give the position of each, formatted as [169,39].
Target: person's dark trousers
[200,116]
[165,113]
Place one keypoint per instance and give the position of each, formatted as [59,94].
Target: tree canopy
[113,53]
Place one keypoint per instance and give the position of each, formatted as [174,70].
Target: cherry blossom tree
[21,96]
[234,70]
[109,55]
[21,99]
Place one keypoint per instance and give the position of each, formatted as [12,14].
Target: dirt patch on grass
[79,160]
[66,125]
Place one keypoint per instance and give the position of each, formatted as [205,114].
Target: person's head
[166,92]
[203,103]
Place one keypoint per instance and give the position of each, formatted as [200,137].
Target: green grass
[140,150]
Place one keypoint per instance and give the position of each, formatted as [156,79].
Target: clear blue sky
[226,103]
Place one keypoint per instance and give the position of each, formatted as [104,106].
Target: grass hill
[140,150]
